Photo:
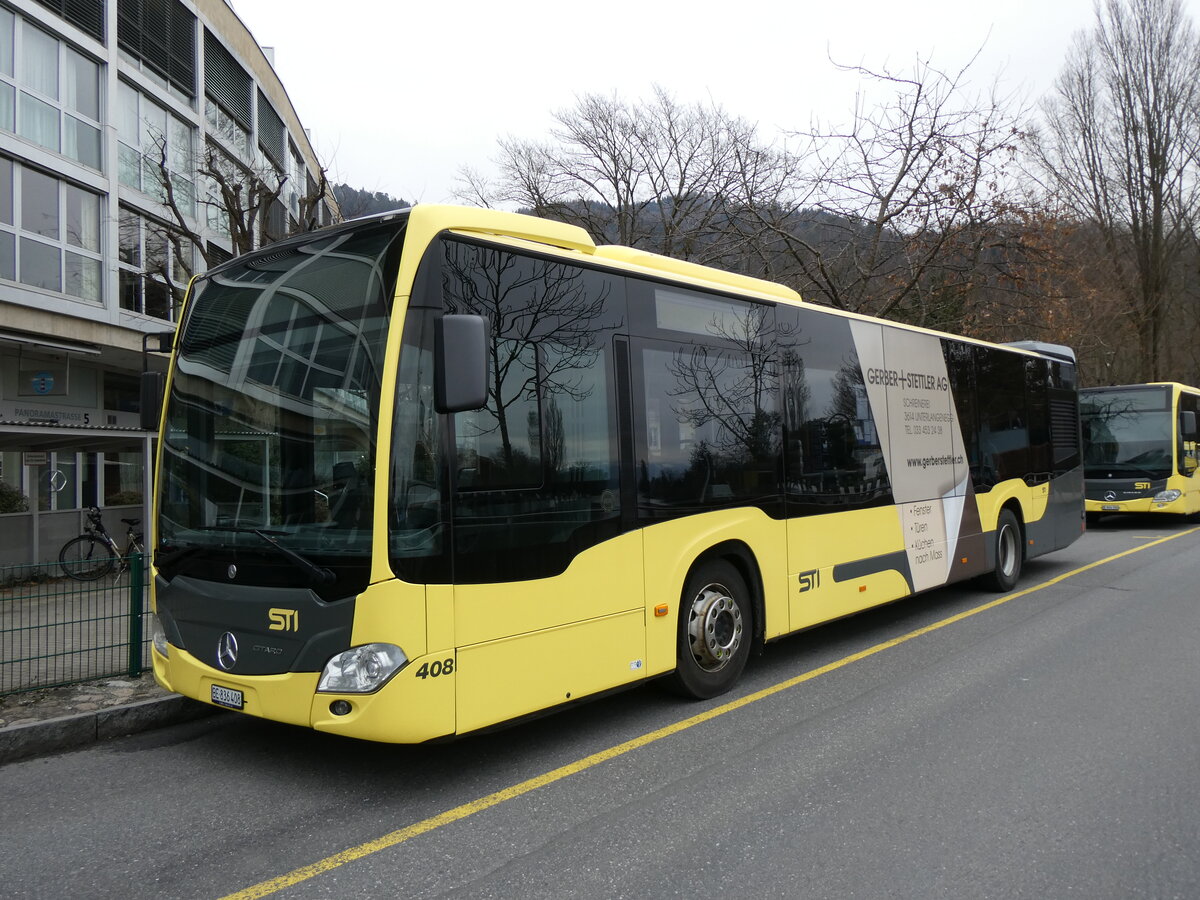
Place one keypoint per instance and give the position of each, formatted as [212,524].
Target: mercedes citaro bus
[431,471]
[1140,451]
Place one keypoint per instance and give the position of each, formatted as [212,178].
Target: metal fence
[55,630]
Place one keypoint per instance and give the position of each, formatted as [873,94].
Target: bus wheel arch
[719,622]
[1008,549]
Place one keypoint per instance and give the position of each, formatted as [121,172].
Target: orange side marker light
[660,610]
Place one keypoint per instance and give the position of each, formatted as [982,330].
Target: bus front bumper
[1139,505]
[405,710]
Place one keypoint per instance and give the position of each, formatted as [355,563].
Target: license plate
[1111,507]
[227,697]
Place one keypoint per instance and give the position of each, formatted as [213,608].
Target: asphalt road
[1046,746]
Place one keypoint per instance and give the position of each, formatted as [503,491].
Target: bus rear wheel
[715,631]
[1010,553]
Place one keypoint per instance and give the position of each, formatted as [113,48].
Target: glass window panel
[83,218]
[122,479]
[158,299]
[180,158]
[6,183]
[130,290]
[182,262]
[39,122]
[152,178]
[39,203]
[7,107]
[185,195]
[500,445]
[82,142]
[128,128]
[41,265]
[39,60]
[81,87]
[65,497]
[130,236]
[153,127]
[8,256]
[83,277]
[155,248]
[130,167]
[708,316]
[833,453]
[6,41]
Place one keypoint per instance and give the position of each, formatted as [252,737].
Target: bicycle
[94,553]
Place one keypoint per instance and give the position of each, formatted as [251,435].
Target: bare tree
[1119,149]
[657,175]
[897,215]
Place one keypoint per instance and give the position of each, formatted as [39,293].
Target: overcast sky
[399,96]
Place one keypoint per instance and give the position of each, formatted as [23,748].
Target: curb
[67,732]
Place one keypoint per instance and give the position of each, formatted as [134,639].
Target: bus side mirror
[153,386]
[1187,425]
[460,348]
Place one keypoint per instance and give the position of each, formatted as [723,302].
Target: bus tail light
[361,670]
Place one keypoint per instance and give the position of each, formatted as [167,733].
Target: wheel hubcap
[714,627]
[1008,550]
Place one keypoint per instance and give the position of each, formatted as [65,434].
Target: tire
[715,630]
[1010,554]
[87,558]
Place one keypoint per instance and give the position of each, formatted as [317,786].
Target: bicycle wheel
[86,558]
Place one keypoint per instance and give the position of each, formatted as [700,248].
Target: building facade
[120,122]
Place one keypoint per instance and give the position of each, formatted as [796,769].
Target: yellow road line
[265,888]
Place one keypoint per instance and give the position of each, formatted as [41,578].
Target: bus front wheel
[715,629]
[1009,553]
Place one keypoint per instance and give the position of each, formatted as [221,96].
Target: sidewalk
[62,718]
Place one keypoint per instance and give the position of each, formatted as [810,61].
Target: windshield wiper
[319,574]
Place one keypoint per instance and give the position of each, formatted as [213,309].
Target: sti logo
[1141,485]
[810,580]
[284,619]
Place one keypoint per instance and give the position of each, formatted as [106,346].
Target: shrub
[12,500]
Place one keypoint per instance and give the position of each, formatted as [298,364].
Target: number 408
[436,668]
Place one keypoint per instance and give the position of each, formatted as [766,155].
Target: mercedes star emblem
[227,651]
[231,572]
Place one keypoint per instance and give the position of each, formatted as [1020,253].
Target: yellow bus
[1140,451]
[431,471]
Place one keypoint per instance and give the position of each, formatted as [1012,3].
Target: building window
[86,15]
[159,39]
[229,92]
[296,183]
[121,392]
[149,137]
[49,232]
[49,91]
[149,265]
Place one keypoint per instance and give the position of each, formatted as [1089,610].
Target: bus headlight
[1167,496]
[158,637]
[361,670]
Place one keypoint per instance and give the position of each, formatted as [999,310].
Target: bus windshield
[268,450]
[1127,433]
